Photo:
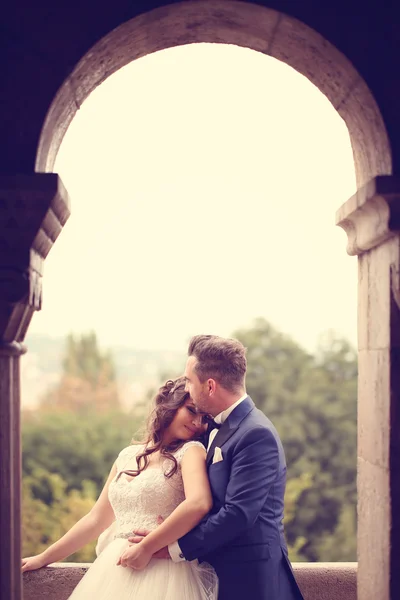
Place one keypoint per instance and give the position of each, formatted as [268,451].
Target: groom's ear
[211,386]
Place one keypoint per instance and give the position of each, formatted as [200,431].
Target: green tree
[44,521]
[328,400]
[88,379]
[70,444]
[312,401]
[65,462]
[83,359]
[78,449]
[294,488]
[341,545]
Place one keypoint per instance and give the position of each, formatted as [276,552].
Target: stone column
[10,454]
[371,220]
[33,210]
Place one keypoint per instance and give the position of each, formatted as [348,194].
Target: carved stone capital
[33,211]
[372,215]
[12,349]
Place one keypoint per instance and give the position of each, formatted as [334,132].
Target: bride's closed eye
[206,418]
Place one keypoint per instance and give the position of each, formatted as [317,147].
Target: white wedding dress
[137,503]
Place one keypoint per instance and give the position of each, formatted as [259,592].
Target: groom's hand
[137,538]
[139,534]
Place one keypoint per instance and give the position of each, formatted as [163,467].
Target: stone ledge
[372,215]
[318,581]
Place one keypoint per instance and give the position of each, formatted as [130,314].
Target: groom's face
[196,389]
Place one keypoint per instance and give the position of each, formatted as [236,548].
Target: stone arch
[371,219]
[228,22]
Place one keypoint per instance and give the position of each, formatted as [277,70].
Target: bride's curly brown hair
[169,399]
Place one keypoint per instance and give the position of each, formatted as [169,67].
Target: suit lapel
[230,425]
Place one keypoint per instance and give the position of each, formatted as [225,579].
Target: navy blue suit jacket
[243,537]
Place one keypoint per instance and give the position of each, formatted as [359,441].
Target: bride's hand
[33,562]
[136,557]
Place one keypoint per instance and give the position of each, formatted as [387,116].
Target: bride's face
[188,423]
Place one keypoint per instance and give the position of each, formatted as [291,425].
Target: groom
[242,537]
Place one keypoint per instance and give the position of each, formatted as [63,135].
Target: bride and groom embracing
[196,509]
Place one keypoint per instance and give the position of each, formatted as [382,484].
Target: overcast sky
[204,182]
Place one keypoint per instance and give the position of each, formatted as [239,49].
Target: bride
[163,480]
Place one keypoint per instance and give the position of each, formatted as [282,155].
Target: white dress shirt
[174,549]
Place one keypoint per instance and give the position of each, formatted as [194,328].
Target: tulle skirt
[162,579]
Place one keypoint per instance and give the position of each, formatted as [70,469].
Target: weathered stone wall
[318,581]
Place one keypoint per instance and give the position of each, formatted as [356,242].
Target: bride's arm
[84,531]
[197,503]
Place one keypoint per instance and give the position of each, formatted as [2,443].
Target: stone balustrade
[318,581]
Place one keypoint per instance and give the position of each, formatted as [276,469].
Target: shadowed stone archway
[37,206]
[228,22]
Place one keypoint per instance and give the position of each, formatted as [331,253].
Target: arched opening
[295,285]
[238,23]
[232,23]
[203,138]
[173,140]
[246,25]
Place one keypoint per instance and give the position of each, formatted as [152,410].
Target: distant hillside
[137,370]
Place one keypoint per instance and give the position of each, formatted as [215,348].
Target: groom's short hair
[222,359]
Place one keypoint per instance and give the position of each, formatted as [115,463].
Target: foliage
[88,379]
[294,488]
[84,360]
[70,445]
[66,460]
[342,544]
[71,442]
[78,449]
[45,521]
[312,401]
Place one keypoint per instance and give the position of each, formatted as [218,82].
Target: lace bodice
[139,501]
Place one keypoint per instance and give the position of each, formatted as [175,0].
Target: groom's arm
[255,466]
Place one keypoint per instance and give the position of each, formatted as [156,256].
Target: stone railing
[318,581]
